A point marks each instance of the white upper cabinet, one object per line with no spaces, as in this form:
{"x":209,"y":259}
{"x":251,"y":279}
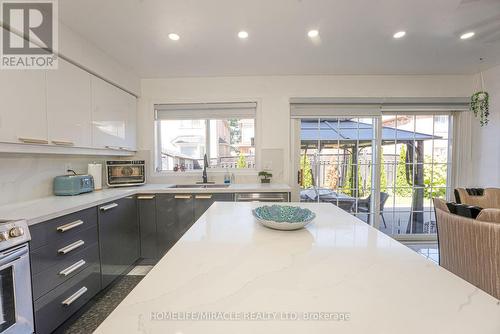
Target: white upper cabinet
{"x":69,"y":106}
{"x":113,"y":117}
{"x":23,"y":116}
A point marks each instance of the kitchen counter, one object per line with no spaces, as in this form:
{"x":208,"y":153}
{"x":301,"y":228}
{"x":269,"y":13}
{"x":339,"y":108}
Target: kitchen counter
{"x":264,"y":281}
{"x":43,"y":209}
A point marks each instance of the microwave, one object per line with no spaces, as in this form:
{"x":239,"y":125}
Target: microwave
{"x":122,"y":173}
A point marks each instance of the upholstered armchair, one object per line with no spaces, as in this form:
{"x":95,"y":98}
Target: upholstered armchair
{"x":490,"y":197}
{"x":470,"y":248}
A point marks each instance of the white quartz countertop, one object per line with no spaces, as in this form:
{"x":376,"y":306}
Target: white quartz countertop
{"x":42,"y":209}
{"x":251,"y":279}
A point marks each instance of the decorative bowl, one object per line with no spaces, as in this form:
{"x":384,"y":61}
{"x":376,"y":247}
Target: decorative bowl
{"x":283,"y":217}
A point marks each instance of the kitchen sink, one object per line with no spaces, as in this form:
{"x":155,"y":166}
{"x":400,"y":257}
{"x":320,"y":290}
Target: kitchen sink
{"x":200,"y":186}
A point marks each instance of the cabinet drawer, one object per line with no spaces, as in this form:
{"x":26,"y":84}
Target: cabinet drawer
{"x":55,"y":307}
{"x":64,"y":269}
{"x":51,"y":254}
{"x":62,"y":228}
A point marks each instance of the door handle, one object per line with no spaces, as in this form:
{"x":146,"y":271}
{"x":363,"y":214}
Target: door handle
{"x":33,"y":140}
{"x":72,"y":268}
{"x":71,"y":247}
{"x":108,"y":207}
{"x":182,"y":196}
{"x":63,"y":143}
{"x":71,"y":299}
{"x":142,"y":197}
{"x":69,"y":226}
{"x":203,"y":196}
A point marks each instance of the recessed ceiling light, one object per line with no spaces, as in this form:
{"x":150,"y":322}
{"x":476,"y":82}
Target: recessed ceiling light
{"x":243,"y":34}
{"x":174,"y":36}
{"x":467,"y":35}
{"x":313,"y":33}
{"x":399,"y":34}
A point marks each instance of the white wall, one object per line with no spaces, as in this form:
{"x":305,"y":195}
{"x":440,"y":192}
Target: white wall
{"x":485,"y":145}
{"x":273,"y":94}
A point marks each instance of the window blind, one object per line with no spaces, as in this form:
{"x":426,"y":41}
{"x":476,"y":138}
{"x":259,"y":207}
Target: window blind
{"x":205,"y":110}
{"x":371,"y":107}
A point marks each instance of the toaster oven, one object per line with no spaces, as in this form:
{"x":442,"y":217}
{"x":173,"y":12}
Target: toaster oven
{"x":122,"y":173}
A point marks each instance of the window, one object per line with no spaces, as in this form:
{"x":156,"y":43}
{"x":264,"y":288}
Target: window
{"x":224,"y":132}
{"x":336,"y":166}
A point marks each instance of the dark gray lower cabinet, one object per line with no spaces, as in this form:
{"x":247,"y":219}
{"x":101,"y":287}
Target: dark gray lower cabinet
{"x":174,"y":216}
{"x":147,"y":218}
{"x":118,"y":237}
{"x":176,"y":213}
{"x":65,"y":267}
{"x":203,"y":201}
{"x":55,"y":307}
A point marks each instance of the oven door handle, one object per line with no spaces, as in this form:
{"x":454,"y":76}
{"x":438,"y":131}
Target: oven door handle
{"x":13,"y":254}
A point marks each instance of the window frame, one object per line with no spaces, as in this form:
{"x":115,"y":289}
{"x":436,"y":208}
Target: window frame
{"x":157,"y":159}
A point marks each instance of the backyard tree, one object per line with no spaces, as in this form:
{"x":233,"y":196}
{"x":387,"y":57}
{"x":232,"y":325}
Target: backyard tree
{"x":434,"y":178}
{"x":403,"y":188}
{"x":305,"y":166}
{"x":415,"y":177}
{"x":242,"y":161}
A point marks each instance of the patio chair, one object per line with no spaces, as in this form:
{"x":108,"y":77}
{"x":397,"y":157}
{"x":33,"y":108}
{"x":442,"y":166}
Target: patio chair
{"x":364,"y":206}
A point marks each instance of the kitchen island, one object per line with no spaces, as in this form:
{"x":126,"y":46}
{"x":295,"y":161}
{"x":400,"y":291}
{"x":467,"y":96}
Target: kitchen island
{"x":228,"y":274}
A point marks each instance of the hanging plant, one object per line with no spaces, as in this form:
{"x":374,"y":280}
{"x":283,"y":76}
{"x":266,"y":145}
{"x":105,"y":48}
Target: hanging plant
{"x":480,"y":103}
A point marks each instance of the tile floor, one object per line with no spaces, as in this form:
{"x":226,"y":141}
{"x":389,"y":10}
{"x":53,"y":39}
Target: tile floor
{"x":428,"y":250}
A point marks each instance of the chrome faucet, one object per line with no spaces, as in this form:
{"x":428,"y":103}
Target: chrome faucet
{"x":205,"y":164}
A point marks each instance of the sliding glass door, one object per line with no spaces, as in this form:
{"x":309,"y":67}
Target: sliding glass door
{"x":336,"y":163}
{"x":416,"y":166}
{"x":384,"y":170}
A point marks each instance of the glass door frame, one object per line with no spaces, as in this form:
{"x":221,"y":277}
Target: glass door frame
{"x":375,"y":220}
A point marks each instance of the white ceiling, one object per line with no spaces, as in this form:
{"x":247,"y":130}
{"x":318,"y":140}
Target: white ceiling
{"x":355,"y":35}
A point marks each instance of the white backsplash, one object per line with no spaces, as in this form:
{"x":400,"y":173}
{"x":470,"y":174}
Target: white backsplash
{"x":24,"y":177}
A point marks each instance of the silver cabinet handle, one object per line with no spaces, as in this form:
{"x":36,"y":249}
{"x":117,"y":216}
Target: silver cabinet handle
{"x":71,"y":299}
{"x":182,"y":196}
{"x":70,"y":247}
{"x":142,"y":197}
{"x":63,"y":143}
{"x":33,"y":140}
{"x":108,"y":207}
{"x":69,"y":226}
{"x":203,"y":196}
{"x":72,"y":268}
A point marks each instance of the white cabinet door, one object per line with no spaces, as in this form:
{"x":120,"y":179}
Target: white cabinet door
{"x":113,"y":116}
{"x":23,"y":115}
{"x":69,"y":103}
{"x":131,"y":129}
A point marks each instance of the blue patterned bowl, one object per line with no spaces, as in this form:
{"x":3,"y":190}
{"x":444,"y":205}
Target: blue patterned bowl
{"x":283,"y":217}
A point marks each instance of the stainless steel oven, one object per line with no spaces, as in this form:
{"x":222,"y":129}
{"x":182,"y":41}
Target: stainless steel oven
{"x":16,"y":305}
{"x":121,"y":173}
